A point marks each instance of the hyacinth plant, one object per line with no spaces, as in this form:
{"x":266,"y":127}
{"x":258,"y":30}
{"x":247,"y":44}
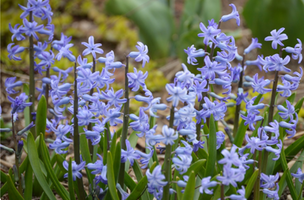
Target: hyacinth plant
{"x":198,"y":162}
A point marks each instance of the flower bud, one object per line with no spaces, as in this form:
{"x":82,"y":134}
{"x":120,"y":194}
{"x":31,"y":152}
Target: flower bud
{"x":19,"y":147}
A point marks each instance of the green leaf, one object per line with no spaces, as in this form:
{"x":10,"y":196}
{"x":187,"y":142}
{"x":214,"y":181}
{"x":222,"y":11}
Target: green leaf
{"x":28,"y":182}
{"x":104,"y":147}
{"x":117,"y":161}
{"x":41,"y":116}
{"x":12,"y":191}
{"x":70,"y":181}
{"x":298,"y":184}
{"x":85,"y":152}
{"x":239,"y":138}
{"x":141,"y":186}
{"x":50,"y":171}
{"x":190,"y":188}
{"x":282,"y":183}
{"x":129,"y":181}
{"x":3,"y":189}
{"x":60,"y":160}
{"x":262,"y":16}
{"x":299,"y":104}
{"x":153,"y":19}
{"x":139,"y":176}
{"x":137,"y":170}
{"x":34,"y":160}
{"x":251,"y":183}
{"x":293,"y":169}
{"x":210,"y":166}
{"x":111,"y":178}
{"x":3,"y":177}
{"x":202,"y":154}
{"x":290,"y":152}
{"x":292,"y":189}
{"x":196,"y":167}
{"x":113,"y":144}
{"x":139,"y":189}
{"x":179,"y":193}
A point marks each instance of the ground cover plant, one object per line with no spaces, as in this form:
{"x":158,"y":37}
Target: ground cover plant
{"x":198,"y":164}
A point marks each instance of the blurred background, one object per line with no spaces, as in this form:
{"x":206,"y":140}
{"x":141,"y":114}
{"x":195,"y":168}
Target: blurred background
{"x":166,"y":26}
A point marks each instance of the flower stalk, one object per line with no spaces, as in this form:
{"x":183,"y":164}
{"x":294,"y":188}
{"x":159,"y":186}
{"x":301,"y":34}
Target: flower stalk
{"x":17,"y":156}
{"x":77,"y":137}
{"x":125,"y":123}
{"x":222,"y":192}
{"x":32,"y":76}
{"x":91,"y":93}
{"x":238,"y":107}
{"x":168,"y":160}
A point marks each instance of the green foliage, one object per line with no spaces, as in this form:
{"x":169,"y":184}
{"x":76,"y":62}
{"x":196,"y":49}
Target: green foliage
{"x":141,"y":186}
{"x":70,"y":181}
{"x":50,"y":172}
{"x":36,"y":166}
{"x":41,"y":116}
{"x":156,"y":23}
{"x":190,"y":188}
{"x":12,"y":191}
{"x":85,"y":152}
{"x":194,"y":12}
{"x":111,"y":178}
{"x":251,"y":183}
{"x":262,"y":16}
{"x":211,"y":161}
{"x":238,"y":140}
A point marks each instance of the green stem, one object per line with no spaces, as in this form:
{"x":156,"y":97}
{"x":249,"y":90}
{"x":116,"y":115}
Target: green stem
{"x":91,"y":93}
{"x":32,"y":77}
{"x":82,"y":194}
{"x":238,"y":107}
{"x":167,"y":161}
{"x":125,"y":124}
{"x":17,"y":158}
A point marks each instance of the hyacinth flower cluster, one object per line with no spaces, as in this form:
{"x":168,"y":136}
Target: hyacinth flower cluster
{"x":197,"y":160}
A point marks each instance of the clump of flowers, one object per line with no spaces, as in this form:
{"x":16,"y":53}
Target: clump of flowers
{"x":195,"y":147}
